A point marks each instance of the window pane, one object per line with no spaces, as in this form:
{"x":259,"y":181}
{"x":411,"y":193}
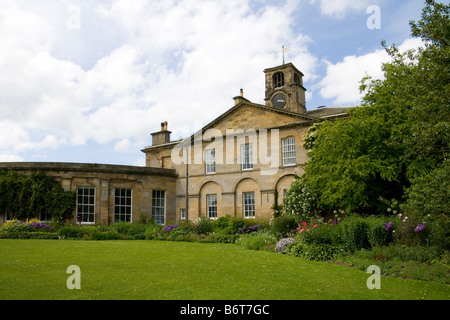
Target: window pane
{"x":249,"y":204}
{"x":158,"y":206}
{"x":288,"y":151}
{"x":210,"y":161}
{"x":211,"y":205}
{"x":86,"y":204}
{"x":247,"y":156}
{"x":122,"y":205}
{"x":183,"y":214}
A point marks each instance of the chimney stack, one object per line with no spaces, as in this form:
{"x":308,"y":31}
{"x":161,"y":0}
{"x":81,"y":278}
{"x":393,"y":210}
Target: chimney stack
{"x":240,"y":98}
{"x":161,"y":137}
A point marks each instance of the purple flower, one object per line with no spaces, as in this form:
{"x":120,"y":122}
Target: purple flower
{"x":40,"y":225}
{"x":388,"y":226}
{"x":170,"y":227}
{"x":420,"y":227}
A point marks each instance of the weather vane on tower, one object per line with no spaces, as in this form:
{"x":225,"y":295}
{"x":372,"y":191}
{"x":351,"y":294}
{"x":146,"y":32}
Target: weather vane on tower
{"x":283,"y":51}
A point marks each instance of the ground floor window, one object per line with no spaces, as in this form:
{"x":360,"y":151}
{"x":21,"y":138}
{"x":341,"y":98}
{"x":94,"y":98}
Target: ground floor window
{"x":249,"y":204}
{"x":122,"y":205}
{"x":159,"y":206}
{"x":86,"y":204}
{"x":9,"y":216}
{"x":44,"y":216}
{"x":183,"y":214}
{"x":211,"y":205}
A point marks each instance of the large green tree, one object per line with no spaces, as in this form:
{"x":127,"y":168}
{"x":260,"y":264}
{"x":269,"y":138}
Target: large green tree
{"x":400,"y":132}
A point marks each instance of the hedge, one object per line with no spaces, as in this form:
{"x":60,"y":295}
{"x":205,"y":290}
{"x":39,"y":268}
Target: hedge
{"x":28,"y":235}
{"x":316,"y":252}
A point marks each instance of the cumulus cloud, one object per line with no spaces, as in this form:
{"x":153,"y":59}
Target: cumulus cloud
{"x":342,"y":79}
{"x":127,"y":67}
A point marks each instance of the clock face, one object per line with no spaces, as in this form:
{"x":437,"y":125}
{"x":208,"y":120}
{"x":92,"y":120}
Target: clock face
{"x":279,"y":100}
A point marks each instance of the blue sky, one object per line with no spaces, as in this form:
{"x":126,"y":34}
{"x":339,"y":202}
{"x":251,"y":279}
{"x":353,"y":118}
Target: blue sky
{"x":89,"y":81}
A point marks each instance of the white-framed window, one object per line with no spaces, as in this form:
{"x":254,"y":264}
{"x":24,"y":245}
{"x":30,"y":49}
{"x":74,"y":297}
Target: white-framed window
{"x":8,"y":216}
{"x":248,"y":199}
{"x":211,"y":206}
{"x":86,"y":204}
{"x":210,"y":159}
{"x":44,"y":216}
{"x":288,"y":151}
{"x":159,"y":206}
{"x":247,"y":156}
{"x":183,"y":215}
{"x":122,"y":205}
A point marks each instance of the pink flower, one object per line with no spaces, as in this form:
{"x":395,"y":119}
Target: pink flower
{"x":304,"y":224}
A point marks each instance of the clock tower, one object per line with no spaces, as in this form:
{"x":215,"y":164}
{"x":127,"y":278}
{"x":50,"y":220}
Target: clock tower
{"x":284,"y":88}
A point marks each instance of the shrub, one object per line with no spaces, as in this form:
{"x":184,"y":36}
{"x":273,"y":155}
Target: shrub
{"x":301,"y":201}
{"x":107,"y":235}
{"x":137,"y":231}
{"x":421,"y":263}
{"x":378,"y":236}
{"x":323,"y":234}
{"x":354,"y":233}
{"x":221,"y":223}
{"x":257,"y":242}
{"x":294,"y":249}
{"x":253,"y":243}
{"x":121,"y":227}
{"x":75,"y":232}
{"x":220,"y":238}
{"x":248,"y":229}
{"x":17,"y":228}
{"x":236,"y":223}
{"x":420,"y":253}
{"x":321,"y":252}
{"x":29,"y":235}
{"x":315,"y":252}
{"x":154,"y":232}
{"x":203,"y":226}
{"x":40,"y":227}
{"x":283,"y":225}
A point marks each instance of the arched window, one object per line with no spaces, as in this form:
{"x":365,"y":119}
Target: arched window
{"x":278,"y":80}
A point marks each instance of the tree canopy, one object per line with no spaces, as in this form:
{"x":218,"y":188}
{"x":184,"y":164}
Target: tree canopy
{"x":399,"y":134}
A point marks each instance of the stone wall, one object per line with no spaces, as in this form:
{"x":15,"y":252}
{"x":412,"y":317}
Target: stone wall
{"x":105,"y":179}
{"x":230,"y":181}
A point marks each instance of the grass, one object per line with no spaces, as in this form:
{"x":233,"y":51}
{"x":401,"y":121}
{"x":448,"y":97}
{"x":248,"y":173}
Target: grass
{"x":159,"y":270}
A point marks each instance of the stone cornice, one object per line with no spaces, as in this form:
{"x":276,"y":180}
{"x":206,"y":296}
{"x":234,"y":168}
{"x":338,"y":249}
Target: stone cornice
{"x":86,"y":167}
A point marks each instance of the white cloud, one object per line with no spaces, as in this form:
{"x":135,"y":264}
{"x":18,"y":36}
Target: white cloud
{"x":339,"y":8}
{"x":180,"y":61}
{"x":342,"y":80}
{"x":10,"y":158}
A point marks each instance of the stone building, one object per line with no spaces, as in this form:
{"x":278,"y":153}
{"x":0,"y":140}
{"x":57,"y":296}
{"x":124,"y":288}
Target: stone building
{"x":240,"y":164}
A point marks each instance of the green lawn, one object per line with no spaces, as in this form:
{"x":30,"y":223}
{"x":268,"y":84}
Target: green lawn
{"x":147,"y":270}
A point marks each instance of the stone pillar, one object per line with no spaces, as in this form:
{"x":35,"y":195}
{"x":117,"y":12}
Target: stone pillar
{"x":105,"y":217}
